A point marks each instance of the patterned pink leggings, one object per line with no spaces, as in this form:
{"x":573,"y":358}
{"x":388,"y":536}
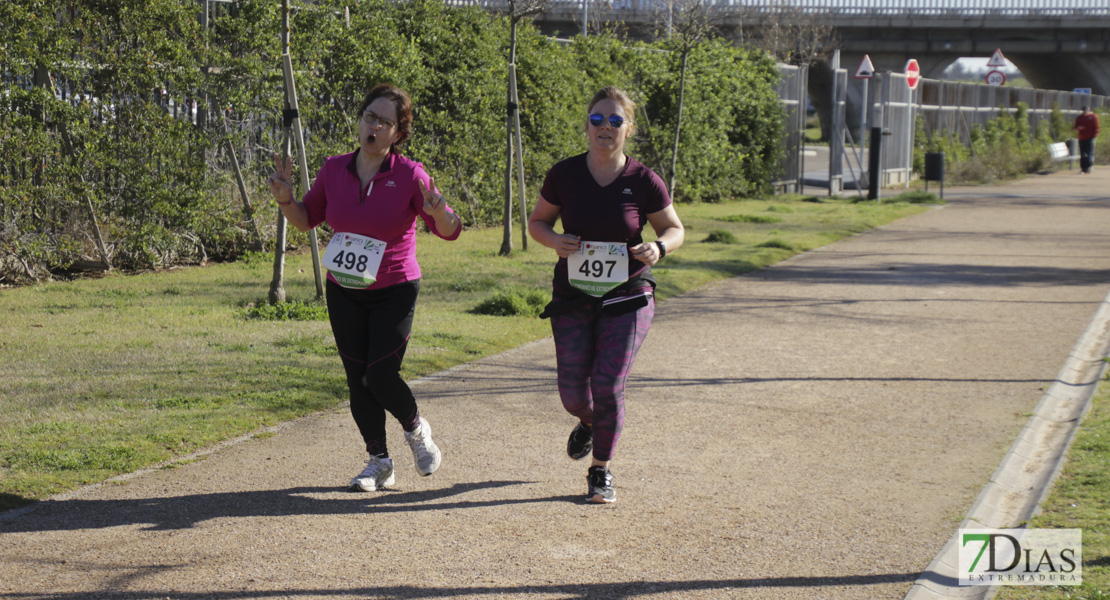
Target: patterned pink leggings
{"x":594,"y":354}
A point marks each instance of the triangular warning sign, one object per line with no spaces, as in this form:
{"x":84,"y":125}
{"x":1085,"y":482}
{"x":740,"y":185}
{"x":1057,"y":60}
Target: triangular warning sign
{"x":866,"y":70}
{"x":997,"y":60}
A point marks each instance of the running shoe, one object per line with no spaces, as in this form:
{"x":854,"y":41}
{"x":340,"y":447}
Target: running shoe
{"x":581,"y":441}
{"x":377,"y":475}
{"x":600,"y":486}
{"x":424,"y":450}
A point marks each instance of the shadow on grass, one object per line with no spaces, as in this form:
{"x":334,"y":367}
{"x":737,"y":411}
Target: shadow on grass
{"x":12,"y":501}
{"x":182,"y":512}
{"x":1102,"y":561}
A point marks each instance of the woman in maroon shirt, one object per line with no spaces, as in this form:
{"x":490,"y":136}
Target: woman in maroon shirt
{"x":602,"y":299}
{"x":371,"y":198}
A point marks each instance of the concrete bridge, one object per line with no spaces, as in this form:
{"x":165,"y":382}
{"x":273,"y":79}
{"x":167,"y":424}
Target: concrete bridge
{"x":1057,"y":44}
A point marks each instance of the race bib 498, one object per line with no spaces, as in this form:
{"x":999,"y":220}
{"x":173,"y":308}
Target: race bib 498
{"x":353,"y":260}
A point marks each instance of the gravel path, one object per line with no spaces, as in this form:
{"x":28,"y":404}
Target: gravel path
{"x":813,"y":430}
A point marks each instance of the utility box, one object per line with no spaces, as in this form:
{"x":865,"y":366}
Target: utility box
{"x":934,"y":166}
{"x":934,"y":170}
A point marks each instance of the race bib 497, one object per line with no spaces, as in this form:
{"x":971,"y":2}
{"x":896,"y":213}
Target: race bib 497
{"x":598,"y":267}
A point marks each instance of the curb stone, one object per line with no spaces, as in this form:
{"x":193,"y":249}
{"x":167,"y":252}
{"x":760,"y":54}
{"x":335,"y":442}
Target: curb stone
{"x":1024,"y":478}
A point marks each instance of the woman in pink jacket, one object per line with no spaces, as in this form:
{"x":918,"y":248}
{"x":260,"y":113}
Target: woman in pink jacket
{"x":371,"y":198}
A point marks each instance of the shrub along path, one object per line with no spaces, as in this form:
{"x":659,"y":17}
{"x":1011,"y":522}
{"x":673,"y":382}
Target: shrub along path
{"x":812,"y":430}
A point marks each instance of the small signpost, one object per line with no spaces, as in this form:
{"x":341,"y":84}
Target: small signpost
{"x":997,"y":60}
{"x":995,"y":76}
{"x":866,"y":70}
{"x":913,"y":73}
{"x":913,"y":77}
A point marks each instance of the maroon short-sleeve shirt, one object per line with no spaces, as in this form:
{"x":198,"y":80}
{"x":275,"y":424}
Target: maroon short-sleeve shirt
{"x":613,"y":213}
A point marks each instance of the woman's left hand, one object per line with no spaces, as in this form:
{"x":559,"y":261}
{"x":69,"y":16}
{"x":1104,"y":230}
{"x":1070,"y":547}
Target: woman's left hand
{"x":434,"y":204}
{"x":646,"y":253}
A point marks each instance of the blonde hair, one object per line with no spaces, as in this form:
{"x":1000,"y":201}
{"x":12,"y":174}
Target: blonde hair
{"x":620,"y":97}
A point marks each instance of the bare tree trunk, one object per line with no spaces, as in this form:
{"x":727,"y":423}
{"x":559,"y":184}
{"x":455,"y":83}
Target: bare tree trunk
{"x":519,"y":158}
{"x":306,"y":179}
{"x":277,"y":284}
{"x":678,"y":119}
{"x":507,"y":216}
{"x":96,"y":227}
{"x":242,"y":185}
{"x":507,"y":233}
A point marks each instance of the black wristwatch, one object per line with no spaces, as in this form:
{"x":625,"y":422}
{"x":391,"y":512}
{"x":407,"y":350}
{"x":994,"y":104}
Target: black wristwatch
{"x":662,"y":249}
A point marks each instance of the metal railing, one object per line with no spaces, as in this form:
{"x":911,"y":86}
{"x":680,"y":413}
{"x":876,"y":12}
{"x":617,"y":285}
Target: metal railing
{"x":955,"y":108}
{"x":793,"y":96}
{"x":1079,"y":9}
{"x":945,"y":108}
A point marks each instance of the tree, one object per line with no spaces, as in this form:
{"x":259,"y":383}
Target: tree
{"x":518,"y":9}
{"x":798,"y":37}
{"x":788,"y":33}
{"x":686,"y":25}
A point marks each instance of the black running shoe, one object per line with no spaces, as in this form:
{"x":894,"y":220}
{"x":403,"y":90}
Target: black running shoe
{"x":600,"y":486}
{"x":581,"y":441}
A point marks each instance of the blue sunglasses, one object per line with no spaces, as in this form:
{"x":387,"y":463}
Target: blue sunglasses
{"x":598,"y":119}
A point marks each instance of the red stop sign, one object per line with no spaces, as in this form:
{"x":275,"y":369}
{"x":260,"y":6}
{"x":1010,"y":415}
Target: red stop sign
{"x":913,"y":73}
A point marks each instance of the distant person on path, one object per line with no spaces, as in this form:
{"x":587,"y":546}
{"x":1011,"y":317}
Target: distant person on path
{"x":602,"y":299}
{"x":371,"y":198}
{"x":1086,"y":128}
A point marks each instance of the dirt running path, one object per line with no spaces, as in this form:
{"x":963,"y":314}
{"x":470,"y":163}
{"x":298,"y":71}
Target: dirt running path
{"x":814,"y":430}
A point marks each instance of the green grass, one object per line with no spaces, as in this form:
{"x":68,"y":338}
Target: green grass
{"x":917,"y":197}
{"x":512,"y":302}
{"x":749,"y":219}
{"x":105,"y":376}
{"x":720,"y":236}
{"x":1080,"y":499}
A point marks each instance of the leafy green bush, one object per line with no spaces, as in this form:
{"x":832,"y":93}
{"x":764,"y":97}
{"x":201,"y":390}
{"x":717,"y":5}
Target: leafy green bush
{"x":720,"y":236}
{"x":774,"y":243}
{"x":292,"y":310}
{"x":1004,"y":148}
{"x":749,"y":219}
{"x":157,"y":172}
{"x":731,"y":136}
{"x":513,"y":302}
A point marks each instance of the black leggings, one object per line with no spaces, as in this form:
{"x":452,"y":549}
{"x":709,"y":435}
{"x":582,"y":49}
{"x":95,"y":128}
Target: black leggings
{"x":1086,"y":154}
{"x":371,"y":329}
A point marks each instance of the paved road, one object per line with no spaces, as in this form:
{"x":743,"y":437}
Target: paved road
{"x":816,"y":175}
{"x":813,"y":430}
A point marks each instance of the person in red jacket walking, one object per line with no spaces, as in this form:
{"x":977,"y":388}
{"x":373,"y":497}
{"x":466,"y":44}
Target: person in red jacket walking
{"x":1086,"y":128}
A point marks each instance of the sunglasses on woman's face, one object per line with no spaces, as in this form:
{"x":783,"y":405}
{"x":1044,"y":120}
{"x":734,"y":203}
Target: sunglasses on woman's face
{"x":598,"y":119}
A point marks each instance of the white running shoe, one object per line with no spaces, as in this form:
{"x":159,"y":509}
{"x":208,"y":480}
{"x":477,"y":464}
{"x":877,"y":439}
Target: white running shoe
{"x":377,"y":475}
{"x":424,"y":450}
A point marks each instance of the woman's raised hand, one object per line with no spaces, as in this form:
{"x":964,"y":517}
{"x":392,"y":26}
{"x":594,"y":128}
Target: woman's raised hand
{"x":281,"y":180}
{"x":434,"y":204}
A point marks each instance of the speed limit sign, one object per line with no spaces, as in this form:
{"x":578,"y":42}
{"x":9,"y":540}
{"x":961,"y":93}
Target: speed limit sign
{"x":996,"y":78}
